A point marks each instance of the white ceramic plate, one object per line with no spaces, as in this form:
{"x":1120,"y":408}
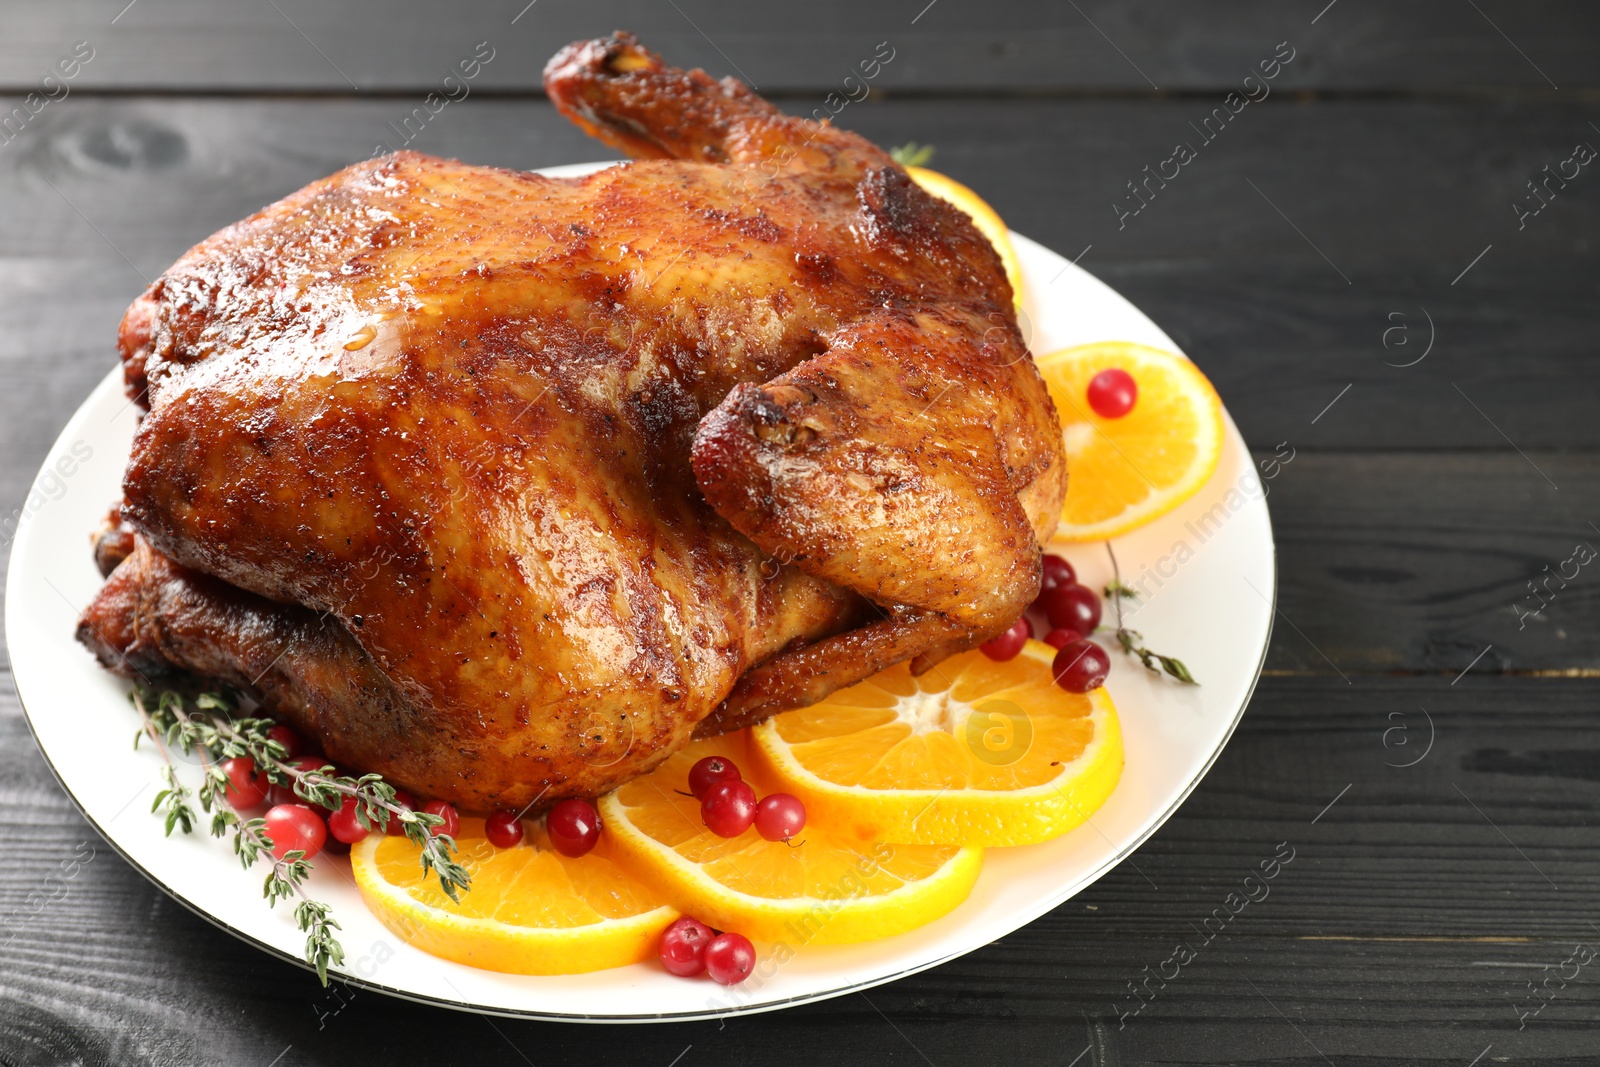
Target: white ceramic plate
{"x":1211,"y":585}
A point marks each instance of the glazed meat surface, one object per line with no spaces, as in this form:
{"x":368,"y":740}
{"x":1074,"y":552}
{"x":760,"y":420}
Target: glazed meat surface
{"x":504,"y":485}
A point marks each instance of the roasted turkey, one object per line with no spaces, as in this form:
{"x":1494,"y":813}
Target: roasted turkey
{"x":505,"y":486}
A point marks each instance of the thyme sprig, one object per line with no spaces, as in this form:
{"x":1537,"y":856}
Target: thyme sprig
{"x":285,"y":877}
{"x":212,"y":730}
{"x":209,"y":730}
{"x":912,"y":154}
{"x":1132,"y":641}
{"x":175,"y":797}
{"x":1115,"y":588}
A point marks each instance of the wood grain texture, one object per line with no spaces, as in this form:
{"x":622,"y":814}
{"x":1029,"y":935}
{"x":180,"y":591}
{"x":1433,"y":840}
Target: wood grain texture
{"x":1009,"y":45}
{"x":1403,"y":930}
{"x":1417,"y":508}
{"x":1418,"y":561}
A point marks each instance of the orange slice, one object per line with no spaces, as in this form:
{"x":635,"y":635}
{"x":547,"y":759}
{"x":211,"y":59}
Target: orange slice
{"x":530,"y":910}
{"x":973,"y":751}
{"x":825,"y":888}
{"x":983,"y":217}
{"x":1123,"y":472}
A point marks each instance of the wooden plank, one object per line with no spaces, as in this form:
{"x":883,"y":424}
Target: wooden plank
{"x":303,"y":46}
{"x":1419,"y":904}
{"x":1420,"y":561}
{"x":1404,"y":929}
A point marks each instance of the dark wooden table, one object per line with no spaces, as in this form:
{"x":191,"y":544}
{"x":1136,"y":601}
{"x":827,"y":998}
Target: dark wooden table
{"x":1360,"y":216}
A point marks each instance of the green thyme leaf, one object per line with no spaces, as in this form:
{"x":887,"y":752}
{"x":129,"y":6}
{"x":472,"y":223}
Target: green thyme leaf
{"x":912,"y":154}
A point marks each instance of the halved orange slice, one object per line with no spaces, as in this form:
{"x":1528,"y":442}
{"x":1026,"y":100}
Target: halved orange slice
{"x":983,"y":217}
{"x":973,"y":752}
{"x":1123,"y":472}
{"x":530,"y":910}
{"x":823,"y":888}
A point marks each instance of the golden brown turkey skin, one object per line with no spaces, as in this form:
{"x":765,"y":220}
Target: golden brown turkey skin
{"x":570,"y":465}
{"x":154,"y":613}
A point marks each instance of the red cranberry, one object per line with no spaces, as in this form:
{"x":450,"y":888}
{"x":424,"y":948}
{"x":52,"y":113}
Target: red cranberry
{"x":1073,"y":607}
{"x":1112,"y":393}
{"x":295,"y":826}
{"x":708,"y":772}
{"x":573,"y":826}
{"x":683,"y":947}
{"x":245,"y":788}
{"x":1009,"y":643}
{"x":729,"y":808}
{"x":1081,"y":666}
{"x":780,"y":816}
{"x":446,"y":811}
{"x":343,"y":824}
{"x":1057,"y":571}
{"x":503,"y":829}
{"x":293,"y":744}
{"x":1059,"y":638}
{"x":730,"y":958}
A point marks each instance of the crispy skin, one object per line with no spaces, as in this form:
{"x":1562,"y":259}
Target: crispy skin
{"x":154,"y":613}
{"x":525,"y":478}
